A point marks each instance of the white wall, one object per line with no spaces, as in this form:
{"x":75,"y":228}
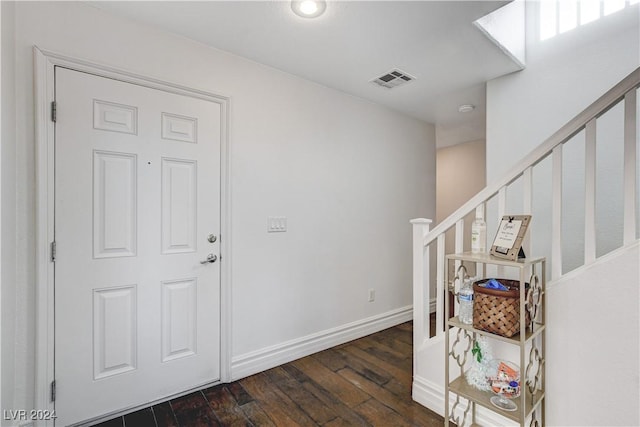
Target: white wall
{"x":460,"y":175}
{"x":8,"y":211}
{"x":593,"y":374}
{"x":348,"y":175}
{"x":564,"y":75}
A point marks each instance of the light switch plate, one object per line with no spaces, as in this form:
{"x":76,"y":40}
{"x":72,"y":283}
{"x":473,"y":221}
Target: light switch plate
{"x":276,"y":224}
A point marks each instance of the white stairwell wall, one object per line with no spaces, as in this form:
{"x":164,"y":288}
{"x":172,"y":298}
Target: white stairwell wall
{"x":593,"y":323}
{"x":564,"y":75}
{"x":592,"y":335}
{"x":593,"y":344}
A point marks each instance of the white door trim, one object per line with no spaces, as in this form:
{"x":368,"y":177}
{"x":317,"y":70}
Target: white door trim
{"x":44,"y":92}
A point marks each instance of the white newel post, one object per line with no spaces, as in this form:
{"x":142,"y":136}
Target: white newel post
{"x":420,"y":283}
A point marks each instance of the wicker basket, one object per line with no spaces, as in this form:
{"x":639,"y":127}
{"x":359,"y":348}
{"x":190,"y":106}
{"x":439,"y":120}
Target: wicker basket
{"x":498,"y":311}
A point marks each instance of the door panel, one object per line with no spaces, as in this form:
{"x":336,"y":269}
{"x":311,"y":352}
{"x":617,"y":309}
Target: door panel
{"x":114,"y":204}
{"x":179,"y":178}
{"x":114,"y":331}
{"x":137,"y":315}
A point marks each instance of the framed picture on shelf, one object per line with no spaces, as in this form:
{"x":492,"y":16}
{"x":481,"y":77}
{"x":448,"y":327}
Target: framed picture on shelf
{"x":508,"y":241}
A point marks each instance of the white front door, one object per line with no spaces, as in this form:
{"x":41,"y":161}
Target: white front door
{"x":137,"y":211}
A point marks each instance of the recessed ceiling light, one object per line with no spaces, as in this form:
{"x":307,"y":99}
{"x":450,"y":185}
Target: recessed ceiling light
{"x":466,"y":108}
{"x":308,"y":8}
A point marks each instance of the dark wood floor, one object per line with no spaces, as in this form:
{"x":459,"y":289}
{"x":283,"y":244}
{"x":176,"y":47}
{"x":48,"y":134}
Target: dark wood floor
{"x":366,"y":382}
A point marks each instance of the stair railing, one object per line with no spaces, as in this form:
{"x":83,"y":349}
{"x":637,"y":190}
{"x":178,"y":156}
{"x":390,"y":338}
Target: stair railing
{"x":423,"y":237}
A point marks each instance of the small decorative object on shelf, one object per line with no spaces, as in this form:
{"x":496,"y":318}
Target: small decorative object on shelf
{"x":509,"y":237}
{"x":482,"y":365}
{"x":506,"y":384}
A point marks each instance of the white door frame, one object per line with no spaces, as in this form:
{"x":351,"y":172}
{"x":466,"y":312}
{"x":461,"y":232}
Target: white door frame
{"x":44,"y":92}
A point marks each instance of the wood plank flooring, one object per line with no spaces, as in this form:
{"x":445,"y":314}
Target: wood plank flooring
{"x":366,"y":382}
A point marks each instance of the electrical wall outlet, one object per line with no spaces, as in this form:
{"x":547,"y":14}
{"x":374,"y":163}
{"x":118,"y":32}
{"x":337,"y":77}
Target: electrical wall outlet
{"x":276,"y":224}
{"x":372,"y":295}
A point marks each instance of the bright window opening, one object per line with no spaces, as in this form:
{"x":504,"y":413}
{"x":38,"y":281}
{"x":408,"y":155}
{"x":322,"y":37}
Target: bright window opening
{"x":589,"y":11}
{"x":548,"y":21}
{"x":568,"y":15}
{"x":611,"y":6}
{"x":560,"y":16}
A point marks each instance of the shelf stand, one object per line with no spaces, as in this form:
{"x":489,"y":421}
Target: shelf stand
{"x":531,"y":402}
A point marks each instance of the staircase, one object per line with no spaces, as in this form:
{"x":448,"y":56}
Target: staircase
{"x":592,"y":354}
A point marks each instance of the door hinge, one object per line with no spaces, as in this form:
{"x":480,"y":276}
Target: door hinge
{"x":54,"y":111}
{"x":53,"y":251}
{"x":53,"y":390}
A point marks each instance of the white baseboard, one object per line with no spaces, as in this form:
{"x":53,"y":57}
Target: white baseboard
{"x":428,"y":394}
{"x":270,"y":357}
{"x":431,"y":395}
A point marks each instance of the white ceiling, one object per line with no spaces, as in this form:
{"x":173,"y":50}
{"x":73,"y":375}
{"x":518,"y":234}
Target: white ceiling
{"x":353,"y":42}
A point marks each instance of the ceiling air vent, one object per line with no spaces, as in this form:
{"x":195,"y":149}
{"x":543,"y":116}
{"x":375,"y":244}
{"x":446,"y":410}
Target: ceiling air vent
{"x":393,"y":78}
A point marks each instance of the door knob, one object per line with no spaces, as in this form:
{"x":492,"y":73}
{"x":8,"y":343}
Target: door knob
{"x":212,"y":238}
{"x":211,"y":258}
